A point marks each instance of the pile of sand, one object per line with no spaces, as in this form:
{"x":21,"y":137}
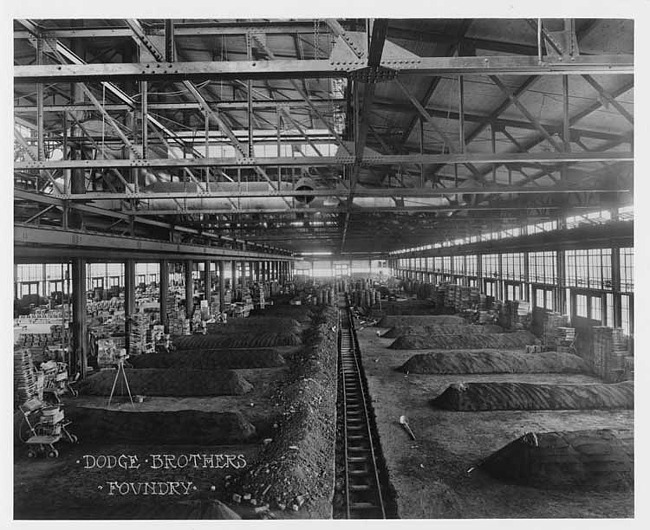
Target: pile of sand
{"x":390,"y":321}
{"x":241,"y":339}
{"x":167,"y":382}
{"x":256,"y":324}
{"x":600,"y":459}
{"x":504,"y":341}
{"x":210,"y":359}
{"x":188,"y":427}
{"x":444,"y":329}
{"x":494,"y":362}
{"x":529,"y":396}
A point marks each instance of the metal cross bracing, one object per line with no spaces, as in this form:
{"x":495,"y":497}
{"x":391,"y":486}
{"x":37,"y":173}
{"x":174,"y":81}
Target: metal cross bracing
{"x":269,"y":93}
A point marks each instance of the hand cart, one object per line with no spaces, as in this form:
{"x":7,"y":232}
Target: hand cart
{"x":43,"y":427}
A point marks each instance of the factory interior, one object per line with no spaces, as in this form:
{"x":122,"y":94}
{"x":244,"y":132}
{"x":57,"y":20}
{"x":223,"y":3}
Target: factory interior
{"x":335,"y":268}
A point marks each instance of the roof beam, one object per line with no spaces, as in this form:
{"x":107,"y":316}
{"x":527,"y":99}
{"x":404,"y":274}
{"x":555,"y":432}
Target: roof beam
{"x":379,"y":160}
{"x":66,"y":240}
{"x":449,"y":50}
{"x":297,"y":69}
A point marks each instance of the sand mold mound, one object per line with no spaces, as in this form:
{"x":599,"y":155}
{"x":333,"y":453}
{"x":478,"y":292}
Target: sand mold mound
{"x":600,"y":459}
{"x":505,"y":341}
{"x":167,"y":382}
{"x":445,"y":329}
{"x":494,"y":362}
{"x":530,"y":396}
{"x":389,"y":321}
{"x":256,"y":324}
{"x":179,"y":427}
{"x":210,"y":359}
{"x":240,"y":339}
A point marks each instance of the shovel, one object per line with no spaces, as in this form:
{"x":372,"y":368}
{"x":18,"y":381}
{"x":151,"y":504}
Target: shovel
{"x":404,"y":422}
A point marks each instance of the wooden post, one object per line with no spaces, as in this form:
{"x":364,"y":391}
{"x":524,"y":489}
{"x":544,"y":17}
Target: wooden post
{"x":164,"y":292}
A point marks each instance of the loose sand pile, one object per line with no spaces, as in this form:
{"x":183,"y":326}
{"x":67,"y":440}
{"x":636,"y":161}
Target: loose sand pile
{"x":241,"y":339}
{"x":494,"y":362}
{"x":505,"y":341}
{"x":528,"y":396}
{"x":210,"y":359}
{"x":447,"y":329}
{"x":191,"y":427}
{"x":601,"y":459}
{"x":256,"y":324}
{"x":390,"y":321}
{"x":168,"y":382}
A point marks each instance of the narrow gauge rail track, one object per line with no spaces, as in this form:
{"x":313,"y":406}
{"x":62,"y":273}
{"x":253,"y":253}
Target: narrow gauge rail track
{"x":365,"y":491}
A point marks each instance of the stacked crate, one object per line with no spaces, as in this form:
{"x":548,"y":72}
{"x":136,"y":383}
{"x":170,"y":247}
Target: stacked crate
{"x":609,"y":352}
{"x":552,"y":337}
{"x":24,"y":376}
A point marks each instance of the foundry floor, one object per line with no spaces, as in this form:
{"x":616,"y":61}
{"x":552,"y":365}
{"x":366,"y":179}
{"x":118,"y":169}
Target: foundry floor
{"x":430,"y":476}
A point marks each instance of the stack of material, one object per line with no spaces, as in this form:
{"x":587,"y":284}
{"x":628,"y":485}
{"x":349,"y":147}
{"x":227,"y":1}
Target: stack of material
{"x":528,"y":396}
{"x":609,"y":352}
{"x":440,"y":295}
{"x":24,"y":376}
{"x":138,"y":333}
{"x":450,"y":296}
{"x":602,"y":459}
{"x":553,"y":322}
{"x":564,"y":338}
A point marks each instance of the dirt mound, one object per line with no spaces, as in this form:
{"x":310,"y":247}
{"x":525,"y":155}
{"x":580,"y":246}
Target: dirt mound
{"x":389,"y":321}
{"x":238,"y":325}
{"x":297,"y":466}
{"x":528,"y":396}
{"x":494,"y":362}
{"x":168,"y":382}
{"x":240,"y":339}
{"x":210,"y":359}
{"x":300,"y":313}
{"x":505,"y":341}
{"x":190,"y":427}
{"x":398,"y":331}
{"x":600,"y":459}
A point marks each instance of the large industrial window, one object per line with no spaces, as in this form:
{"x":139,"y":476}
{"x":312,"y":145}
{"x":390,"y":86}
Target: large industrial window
{"x":471,"y":265}
{"x":627,"y":270}
{"x":542,"y":267}
{"x":459,"y":265}
{"x":446,"y":264}
{"x":581,"y":306}
{"x":513,"y":266}
{"x":625,"y":313}
{"x":429,"y":264}
{"x":596,"y":308}
{"x":589,"y":268}
{"x":490,"y":264}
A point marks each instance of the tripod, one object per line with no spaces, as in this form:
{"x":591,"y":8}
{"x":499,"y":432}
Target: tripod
{"x":120,"y":370}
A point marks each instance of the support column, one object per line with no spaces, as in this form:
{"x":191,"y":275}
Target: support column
{"x":616,"y":286}
{"x":233,"y":281}
{"x":207,"y":281}
{"x":79,"y":356}
{"x":129,"y":301}
{"x":222,"y":285}
{"x":251,"y":271}
{"x":164,"y":292}
{"x":189,"y":289}
{"x":258,"y":277}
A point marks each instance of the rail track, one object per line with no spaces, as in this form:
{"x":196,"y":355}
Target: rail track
{"x":365,"y":494}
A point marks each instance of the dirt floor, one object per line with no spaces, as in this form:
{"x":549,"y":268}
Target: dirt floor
{"x":430,"y":474}
{"x":91,"y":481}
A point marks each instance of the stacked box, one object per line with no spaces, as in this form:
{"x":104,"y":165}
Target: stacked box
{"x":25,"y":384}
{"x":609,"y":352}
